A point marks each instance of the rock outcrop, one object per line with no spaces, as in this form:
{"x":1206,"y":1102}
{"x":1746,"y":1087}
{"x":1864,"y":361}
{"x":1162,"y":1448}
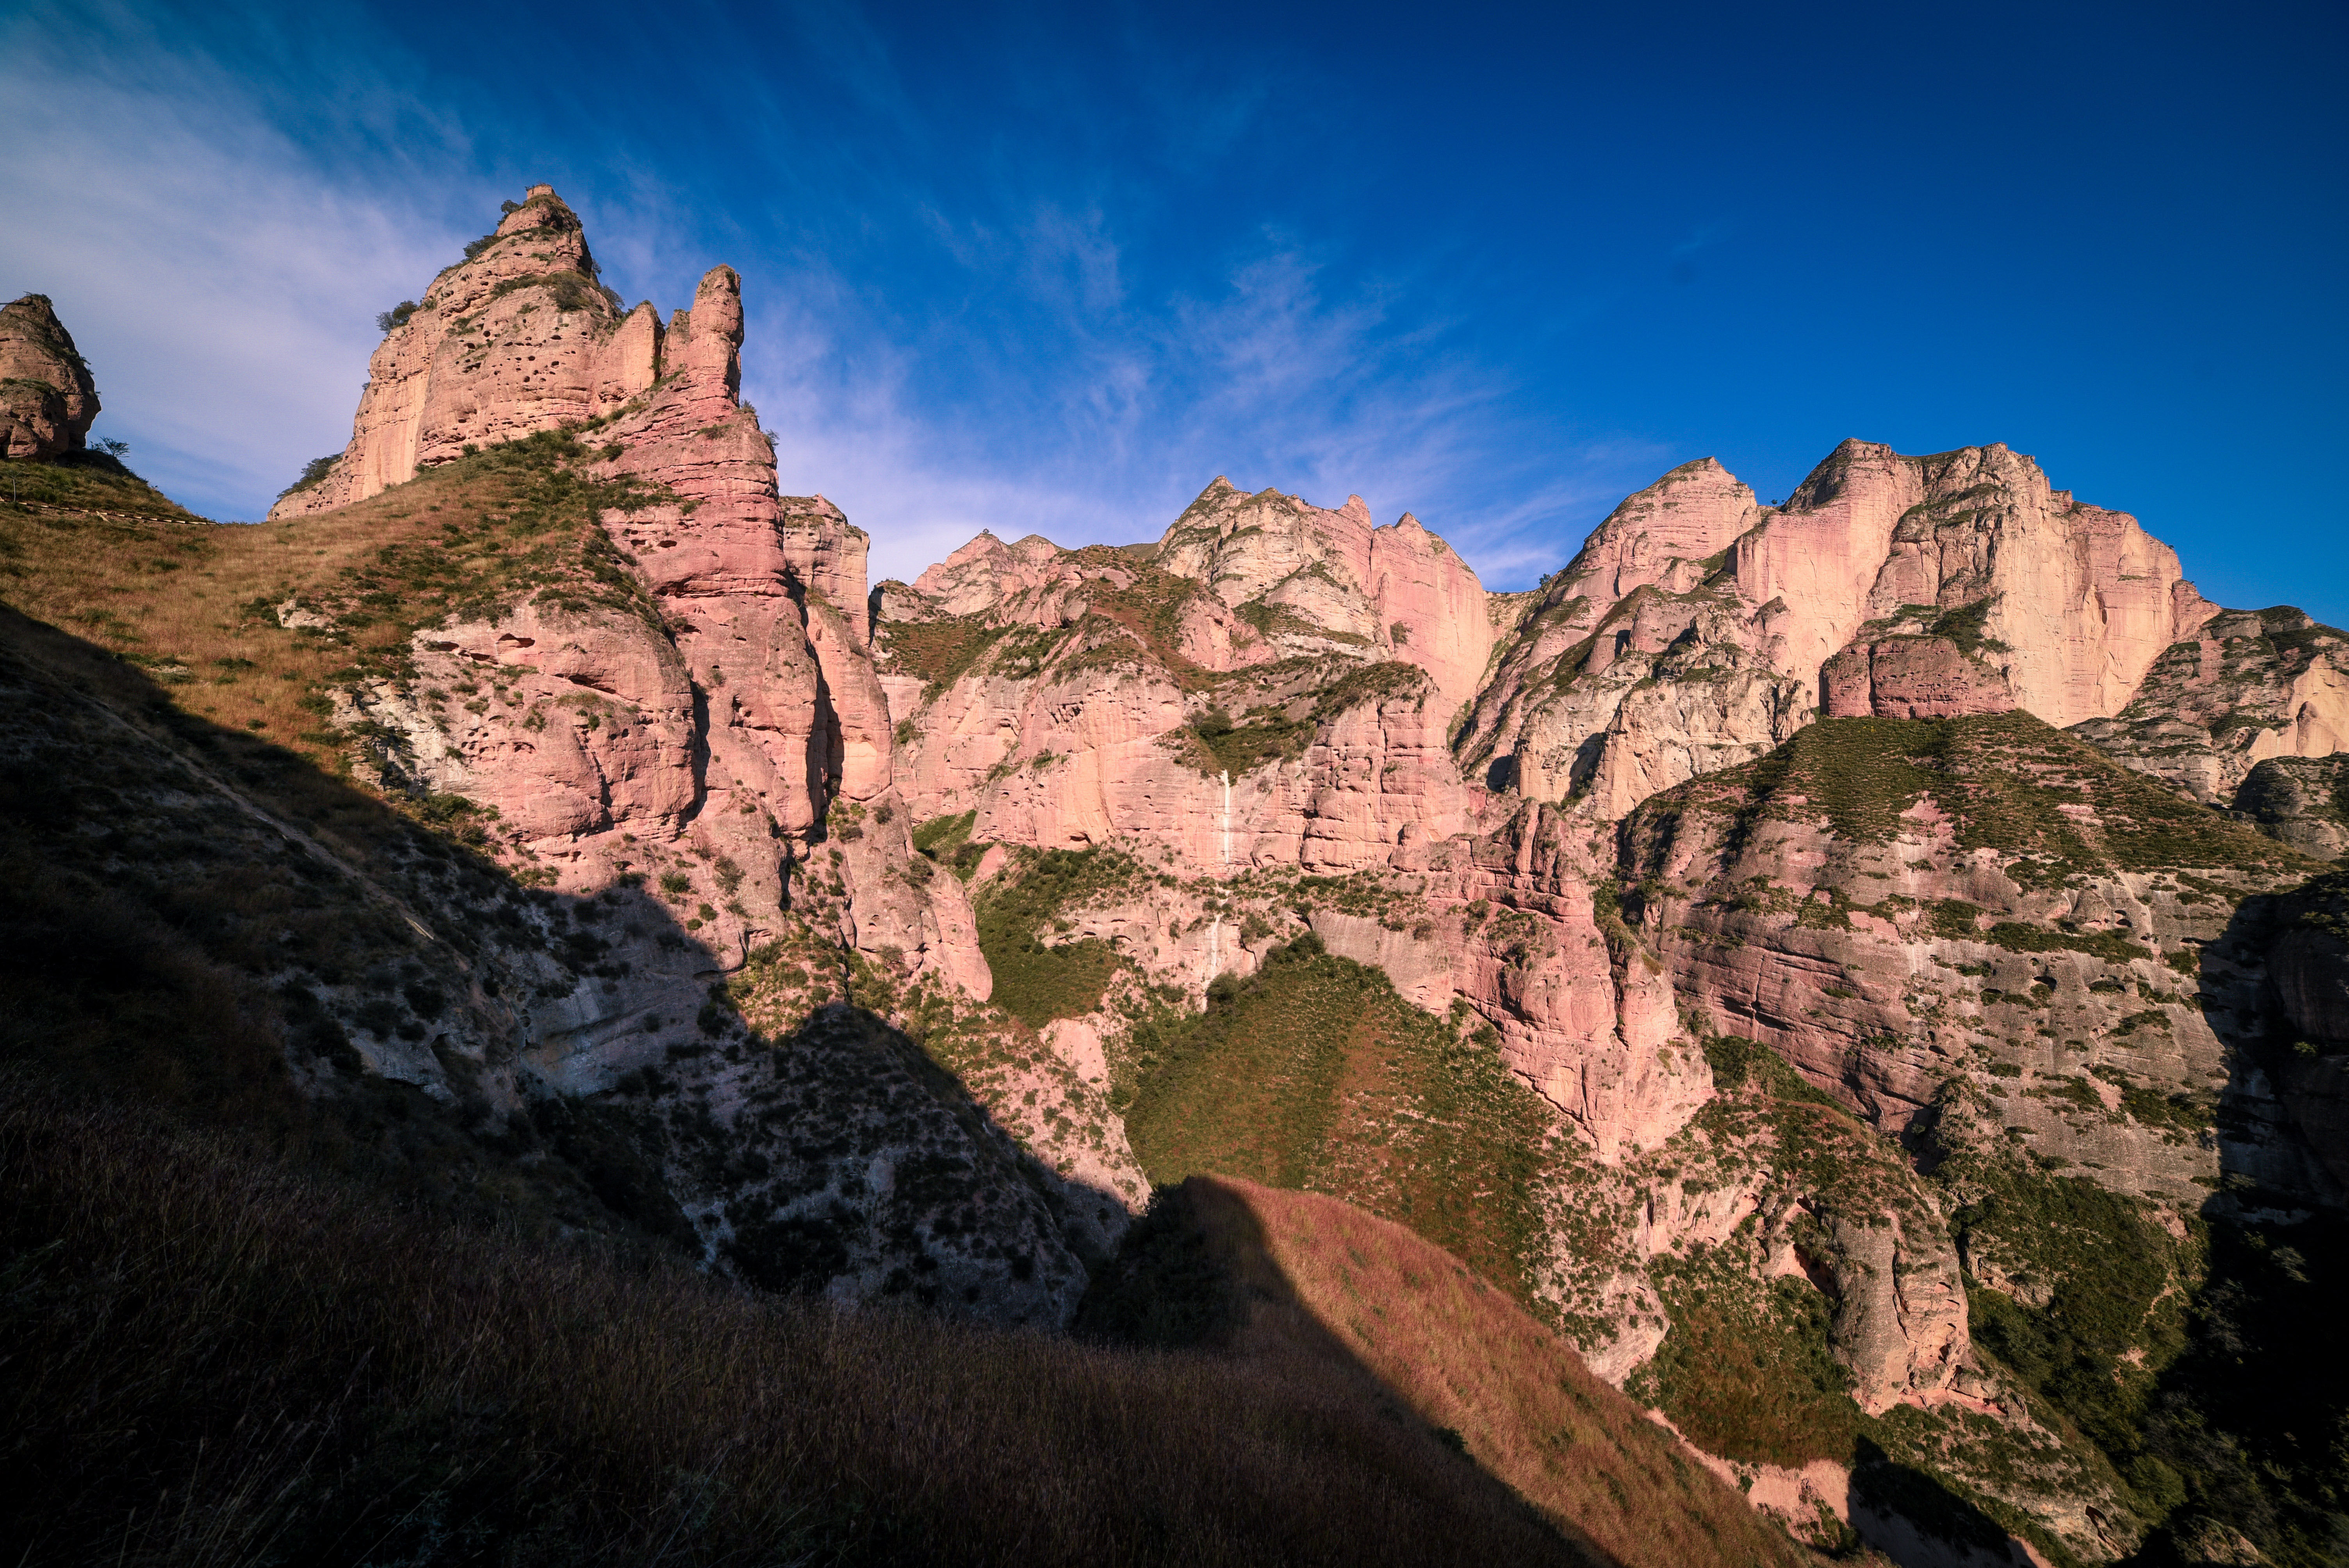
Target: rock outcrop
{"x":47,"y":398}
{"x":1897,"y":908}
{"x":1696,"y":630}
{"x":2303,"y":800}
{"x":518,"y":337}
{"x":694,"y":706}
{"x":1911,"y":677}
{"x":2245,"y":687}
{"x":1082,"y":698}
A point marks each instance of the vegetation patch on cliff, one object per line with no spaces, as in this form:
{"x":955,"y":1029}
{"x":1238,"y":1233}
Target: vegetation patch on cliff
{"x":1021,"y":911}
{"x":1999,"y":781}
{"x":198,"y":606}
{"x":1314,"y":1074}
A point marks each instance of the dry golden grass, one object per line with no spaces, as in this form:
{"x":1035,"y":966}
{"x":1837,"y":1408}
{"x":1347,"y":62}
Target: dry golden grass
{"x":1323,"y":1278}
{"x":206,"y":1359}
{"x":193,"y":602}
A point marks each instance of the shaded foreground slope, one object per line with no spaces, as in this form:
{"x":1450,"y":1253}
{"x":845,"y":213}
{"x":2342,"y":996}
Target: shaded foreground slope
{"x":1284,"y":1278}
{"x":214,"y":1360}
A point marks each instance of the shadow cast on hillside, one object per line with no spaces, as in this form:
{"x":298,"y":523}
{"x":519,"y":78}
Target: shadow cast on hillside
{"x":193,"y":907}
{"x":2282,"y":1123}
{"x":1197,"y":1273}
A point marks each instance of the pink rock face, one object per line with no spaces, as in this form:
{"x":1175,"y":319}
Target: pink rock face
{"x":1087,"y":755}
{"x":1693,"y":513}
{"x":2077,"y":601}
{"x":726,"y":722}
{"x":1910,"y":677}
{"x":1876,"y":563}
{"x":2247,"y":686}
{"x":1432,"y":608}
{"x":1075,"y":729}
{"x":1032,"y":581}
{"x":1584,"y":1021}
{"x":47,"y":398}
{"x":519,"y":337}
{"x":1868,"y":962}
{"x":1314,"y":581}
{"x":1811,"y":566}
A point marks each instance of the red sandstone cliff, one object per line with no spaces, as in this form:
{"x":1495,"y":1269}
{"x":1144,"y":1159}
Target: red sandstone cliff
{"x":519,"y":336}
{"x":48,"y":399}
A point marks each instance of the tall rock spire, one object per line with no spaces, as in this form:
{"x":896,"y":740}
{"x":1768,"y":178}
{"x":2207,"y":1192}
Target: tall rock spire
{"x":46,"y":397}
{"x":519,"y":336}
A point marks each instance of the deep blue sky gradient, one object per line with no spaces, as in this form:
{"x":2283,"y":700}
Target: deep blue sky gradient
{"x":1054,"y":267}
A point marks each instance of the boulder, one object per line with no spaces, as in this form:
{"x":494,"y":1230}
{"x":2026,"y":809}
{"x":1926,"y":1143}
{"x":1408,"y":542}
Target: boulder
{"x":1910,"y":677}
{"x":47,"y":398}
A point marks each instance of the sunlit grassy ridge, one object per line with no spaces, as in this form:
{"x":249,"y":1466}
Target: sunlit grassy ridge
{"x":1316,"y":1075}
{"x":1998,"y":779}
{"x":1283,"y":1275}
{"x":195,"y":604}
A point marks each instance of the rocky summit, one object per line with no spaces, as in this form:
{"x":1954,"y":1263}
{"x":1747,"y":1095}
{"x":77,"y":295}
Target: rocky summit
{"x":1861,"y":977}
{"x":48,"y":399}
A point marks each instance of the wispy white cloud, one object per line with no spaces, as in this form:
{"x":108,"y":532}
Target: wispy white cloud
{"x":1272,"y":381}
{"x":221,"y":282}
{"x":219,"y":246}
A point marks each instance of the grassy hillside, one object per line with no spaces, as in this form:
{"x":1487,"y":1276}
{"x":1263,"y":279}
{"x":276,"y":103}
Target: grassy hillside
{"x":213,"y":1361}
{"x":1314,"y":1074}
{"x":2000,"y":780}
{"x":1283,"y":1277}
{"x":194,"y":603}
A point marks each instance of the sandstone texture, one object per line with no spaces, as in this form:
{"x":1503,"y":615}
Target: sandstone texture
{"x":1082,"y":698}
{"x":519,"y":336}
{"x":1696,"y":629}
{"x":47,"y":398}
{"x":2247,"y":686}
{"x":701,"y":715}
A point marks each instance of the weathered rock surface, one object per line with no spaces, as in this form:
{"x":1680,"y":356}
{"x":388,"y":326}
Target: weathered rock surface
{"x":518,"y":337}
{"x":47,"y":398}
{"x":1897,"y":908}
{"x":2301,"y":800}
{"x":1911,"y":677}
{"x":1954,"y":583}
{"x":1082,"y":698}
{"x":2247,"y":686}
{"x":713,"y":724}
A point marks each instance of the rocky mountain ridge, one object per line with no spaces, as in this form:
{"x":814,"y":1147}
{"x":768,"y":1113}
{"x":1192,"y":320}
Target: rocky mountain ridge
{"x":1813,"y":884}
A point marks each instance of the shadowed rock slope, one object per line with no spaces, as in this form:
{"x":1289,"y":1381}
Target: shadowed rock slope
{"x":293,"y":1370}
{"x":1777,"y":954}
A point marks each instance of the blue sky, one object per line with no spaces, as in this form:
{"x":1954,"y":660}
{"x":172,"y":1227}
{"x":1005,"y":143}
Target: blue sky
{"x":1053,"y":268}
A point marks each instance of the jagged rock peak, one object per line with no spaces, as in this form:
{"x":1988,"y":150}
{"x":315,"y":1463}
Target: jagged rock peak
{"x":519,"y":336}
{"x":47,"y":398}
{"x":1696,"y":628}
